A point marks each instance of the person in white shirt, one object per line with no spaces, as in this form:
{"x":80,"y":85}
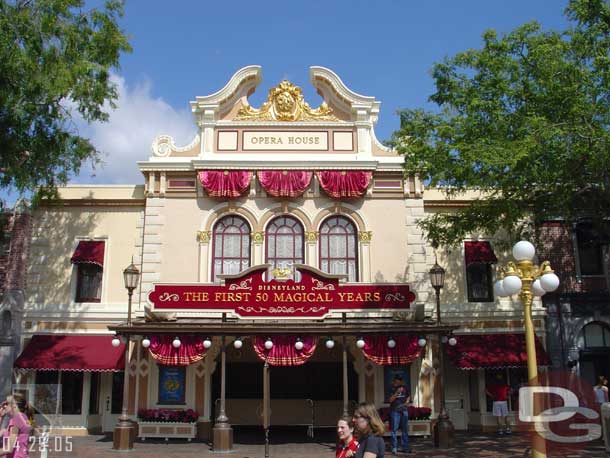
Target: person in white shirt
{"x":601,"y":390}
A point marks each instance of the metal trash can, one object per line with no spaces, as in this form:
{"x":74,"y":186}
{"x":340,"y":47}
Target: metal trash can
{"x":606,"y":424}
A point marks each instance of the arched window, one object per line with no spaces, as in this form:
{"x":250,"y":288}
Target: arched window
{"x":284,"y":247}
{"x":338,"y":254}
{"x":231,"y":251}
{"x":595,"y":335}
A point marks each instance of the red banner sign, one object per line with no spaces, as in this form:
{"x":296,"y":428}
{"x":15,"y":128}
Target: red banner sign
{"x":249,"y":295}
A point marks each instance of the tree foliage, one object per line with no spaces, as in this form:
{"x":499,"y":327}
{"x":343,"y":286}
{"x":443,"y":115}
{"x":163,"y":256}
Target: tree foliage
{"x":55,"y":61}
{"x":525,"y":120}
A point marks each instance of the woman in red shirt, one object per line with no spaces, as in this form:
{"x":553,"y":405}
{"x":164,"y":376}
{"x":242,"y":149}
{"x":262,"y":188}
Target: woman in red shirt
{"x":347,"y":443}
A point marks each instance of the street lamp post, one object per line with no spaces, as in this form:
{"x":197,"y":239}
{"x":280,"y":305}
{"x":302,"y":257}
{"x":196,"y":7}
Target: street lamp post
{"x":528,"y":280}
{"x":444,"y":436}
{"x":124,"y":431}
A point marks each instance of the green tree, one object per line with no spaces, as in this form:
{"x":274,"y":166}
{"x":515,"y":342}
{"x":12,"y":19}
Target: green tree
{"x":525,"y":120}
{"x":55,"y":61}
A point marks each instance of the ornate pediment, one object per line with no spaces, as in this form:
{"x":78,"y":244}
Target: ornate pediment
{"x":286,"y":103}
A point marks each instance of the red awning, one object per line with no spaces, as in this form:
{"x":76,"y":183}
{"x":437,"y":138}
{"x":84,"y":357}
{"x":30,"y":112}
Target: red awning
{"x":480,"y":252}
{"x":89,"y":252}
{"x":493,"y":351}
{"x":72,"y":353}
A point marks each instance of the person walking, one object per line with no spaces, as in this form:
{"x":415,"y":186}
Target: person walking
{"x":499,"y":392}
{"x":348,"y":445}
{"x":601,"y":390}
{"x":399,"y":414}
{"x":15,"y":443}
{"x":370,"y":430}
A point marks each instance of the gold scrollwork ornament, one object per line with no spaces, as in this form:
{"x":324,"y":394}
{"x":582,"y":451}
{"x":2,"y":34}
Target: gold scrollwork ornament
{"x":311,"y":236}
{"x":286,"y":103}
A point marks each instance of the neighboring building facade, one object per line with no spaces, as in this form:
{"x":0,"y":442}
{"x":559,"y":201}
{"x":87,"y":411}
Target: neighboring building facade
{"x":282,"y":185}
{"x":578,"y":321}
{"x":15,"y":236}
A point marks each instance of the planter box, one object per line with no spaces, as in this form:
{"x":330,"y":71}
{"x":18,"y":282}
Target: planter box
{"x":167,"y":430}
{"x":416,"y":428}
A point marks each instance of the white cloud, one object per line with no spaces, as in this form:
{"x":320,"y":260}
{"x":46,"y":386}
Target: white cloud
{"x":129,"y":132}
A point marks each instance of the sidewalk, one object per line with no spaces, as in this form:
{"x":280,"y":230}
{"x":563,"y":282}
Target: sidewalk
{"x":250,"y":445}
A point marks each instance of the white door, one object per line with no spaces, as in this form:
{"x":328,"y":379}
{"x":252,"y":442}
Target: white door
{"x":456,"y":384}
{"x":111,"y":398}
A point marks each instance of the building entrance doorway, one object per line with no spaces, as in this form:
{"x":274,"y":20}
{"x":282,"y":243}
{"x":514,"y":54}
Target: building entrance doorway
{"x":308,"y":395}
{"x":594,"y":344}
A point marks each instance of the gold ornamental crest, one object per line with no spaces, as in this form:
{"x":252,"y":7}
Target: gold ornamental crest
{"x":286,"y":103}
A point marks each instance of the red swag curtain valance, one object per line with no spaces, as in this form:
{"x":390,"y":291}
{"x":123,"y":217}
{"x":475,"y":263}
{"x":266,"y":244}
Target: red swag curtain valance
{"x":406,"y":350}
{"x":228,"y":184}
{"x":190,"y":350}
{"x":283,"y":352}
{"x":284,"y":183}
{"x":339,"y":184}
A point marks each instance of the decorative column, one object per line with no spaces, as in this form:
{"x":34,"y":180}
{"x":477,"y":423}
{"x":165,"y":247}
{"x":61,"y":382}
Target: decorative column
{"x":222,"y":432}
{"x":311,"y":252}
{"x":365,"y":254}
{"x":257,"y":247}
{"x":204,"y":237}
{"x":345,"y":379}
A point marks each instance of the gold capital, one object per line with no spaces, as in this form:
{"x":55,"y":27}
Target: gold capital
{"x":204,"y":236}
{"x":311,"y":236}
{"x":365,"y":237}
{"x":258,"y":237}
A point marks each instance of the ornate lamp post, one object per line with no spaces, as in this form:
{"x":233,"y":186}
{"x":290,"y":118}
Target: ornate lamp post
{"x":528,"y":280}
{"x":443,"y":430}
{"x":124,"y":431}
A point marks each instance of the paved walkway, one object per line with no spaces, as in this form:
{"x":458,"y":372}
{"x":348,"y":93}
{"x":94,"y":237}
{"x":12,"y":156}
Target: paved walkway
{"x":289,"y":445}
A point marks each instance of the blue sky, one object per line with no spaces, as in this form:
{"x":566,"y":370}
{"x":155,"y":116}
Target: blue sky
{"x":380,"y":48}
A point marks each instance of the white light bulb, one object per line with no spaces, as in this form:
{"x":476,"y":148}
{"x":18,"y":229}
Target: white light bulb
{"x":116,"y":342}
{"x":549,"y":282}
{"x":207,"y":343}
{"x":360,"y":343}
{"x":145,"y":342}
{"x":237,"y":343}
{"x":298,"y":345}
{"x":452,"y":341}
{"x":391,"y":343}
{"x":421,"y":342}
{"x":511,"y":284}
{"x":524,"y":251}
{"x":537,"y":289}
{"x":330,"y":343}
{"x":176,"y":343}
{"x":499,"y":289}
{"x":268,"y":344}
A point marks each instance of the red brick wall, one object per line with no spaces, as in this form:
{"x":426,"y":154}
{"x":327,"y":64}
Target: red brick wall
{"x":13,"y":263}
{"x":558,"y":248}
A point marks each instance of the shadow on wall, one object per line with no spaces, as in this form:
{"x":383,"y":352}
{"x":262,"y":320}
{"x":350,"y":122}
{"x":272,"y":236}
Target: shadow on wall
{"x":49,"y":285}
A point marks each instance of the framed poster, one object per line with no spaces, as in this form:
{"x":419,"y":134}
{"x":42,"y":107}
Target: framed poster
{"x":388,"y":374}
{"x":172,"y":385}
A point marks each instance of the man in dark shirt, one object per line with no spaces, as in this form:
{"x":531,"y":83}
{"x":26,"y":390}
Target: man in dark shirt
{"x":399,"y":414}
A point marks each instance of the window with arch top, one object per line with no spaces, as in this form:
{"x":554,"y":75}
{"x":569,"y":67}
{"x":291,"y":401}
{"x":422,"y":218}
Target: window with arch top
{"x":231,"y":250}
{"x":284,"y":242}
{"x":338,"y":254}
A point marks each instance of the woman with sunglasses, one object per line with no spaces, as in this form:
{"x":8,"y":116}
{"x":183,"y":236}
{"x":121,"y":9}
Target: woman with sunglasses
{"x":370,"y":431}
{"x":15,"y":442}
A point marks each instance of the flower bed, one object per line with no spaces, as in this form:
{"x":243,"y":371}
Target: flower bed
{"x":168,"y":415}
{"x":167,"y":423}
